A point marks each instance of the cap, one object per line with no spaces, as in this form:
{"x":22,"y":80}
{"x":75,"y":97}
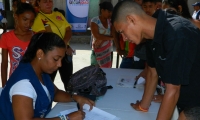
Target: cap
{"x":196,"y":4}
{"x":106,"y":5}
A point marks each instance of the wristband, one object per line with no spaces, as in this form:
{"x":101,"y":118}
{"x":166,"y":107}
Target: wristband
{"x":67,"y":118}
{"x":142,"y":109}
{"x":64,"y":117}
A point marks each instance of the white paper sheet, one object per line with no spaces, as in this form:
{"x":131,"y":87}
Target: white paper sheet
{"x":141,"y":80}
{"x":94,"y":114}
{"x":140,"y":83}
{"x":125,"y":81}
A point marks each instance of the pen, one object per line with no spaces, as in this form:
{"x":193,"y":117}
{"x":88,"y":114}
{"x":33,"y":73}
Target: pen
{"x":135,"y":83}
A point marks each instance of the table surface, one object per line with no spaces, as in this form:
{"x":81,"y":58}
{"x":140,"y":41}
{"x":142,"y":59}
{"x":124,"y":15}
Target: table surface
{"x":117,"y":100}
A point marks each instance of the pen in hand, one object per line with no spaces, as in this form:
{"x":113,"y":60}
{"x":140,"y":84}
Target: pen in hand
{"x":134,"y":86}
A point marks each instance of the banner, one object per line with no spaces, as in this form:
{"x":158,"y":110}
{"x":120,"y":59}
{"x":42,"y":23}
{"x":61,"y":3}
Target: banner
{"x":77,"y":14}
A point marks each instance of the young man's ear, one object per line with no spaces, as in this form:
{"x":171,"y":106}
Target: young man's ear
{"x":130,"y":19}
{"x":180,"y":9}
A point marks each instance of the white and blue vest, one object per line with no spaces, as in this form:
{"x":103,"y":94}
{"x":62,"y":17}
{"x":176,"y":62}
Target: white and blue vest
{"x":42,"y":104}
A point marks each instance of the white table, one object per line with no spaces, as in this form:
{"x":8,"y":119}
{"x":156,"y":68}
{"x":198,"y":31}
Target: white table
{"x":117,"y":100}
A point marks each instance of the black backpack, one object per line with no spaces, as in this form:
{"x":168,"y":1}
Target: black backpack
{"x":90,"y":80}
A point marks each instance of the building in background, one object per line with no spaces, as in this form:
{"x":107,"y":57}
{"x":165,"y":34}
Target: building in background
{"x":61,"y":4}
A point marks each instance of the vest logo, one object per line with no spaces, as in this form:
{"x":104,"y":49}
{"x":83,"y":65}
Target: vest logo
{"x":43,"y":113}
{"x":161,"y":58}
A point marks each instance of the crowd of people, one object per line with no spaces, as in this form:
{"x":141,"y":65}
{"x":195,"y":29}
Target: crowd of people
{"x":159,"y":36}
{"x":37,"y":47}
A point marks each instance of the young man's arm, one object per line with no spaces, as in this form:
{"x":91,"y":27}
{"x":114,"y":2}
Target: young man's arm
{"x":169,"y":102}
{"x":150,"y":87}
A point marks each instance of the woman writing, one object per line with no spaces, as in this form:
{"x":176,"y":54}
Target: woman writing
{"x":15,"y":42}
{"x":29,"y":92}
{"x":50,"y":21}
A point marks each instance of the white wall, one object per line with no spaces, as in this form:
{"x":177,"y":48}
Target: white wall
{"x":60,"y":4}
{"x":114,"y":2}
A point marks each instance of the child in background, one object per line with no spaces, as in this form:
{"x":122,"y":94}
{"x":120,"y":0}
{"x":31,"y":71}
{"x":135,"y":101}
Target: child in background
{"x":126,"y":51}
{"x":16,"y":41}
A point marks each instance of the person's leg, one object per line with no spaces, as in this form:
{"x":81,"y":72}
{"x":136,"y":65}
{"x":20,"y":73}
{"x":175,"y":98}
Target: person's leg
{"x":127,"y":63}
{"x":66,"y":71}
{"x":139,"y":64}
{"x":111,"y":58}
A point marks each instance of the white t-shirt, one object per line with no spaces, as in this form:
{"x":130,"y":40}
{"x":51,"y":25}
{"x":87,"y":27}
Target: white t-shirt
{"x":194,"y":16}
{"x":25,"y":88}
{"x":102,"y":29}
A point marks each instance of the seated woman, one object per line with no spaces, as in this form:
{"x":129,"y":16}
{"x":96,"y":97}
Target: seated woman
{"x":29,"y":92}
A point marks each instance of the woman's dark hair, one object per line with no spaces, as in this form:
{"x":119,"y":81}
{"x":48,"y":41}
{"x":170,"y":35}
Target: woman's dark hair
{"x":24,"y":7}
{"x":175,"y":3}
{"x":46,"y":41}
{"x":106,"y":6}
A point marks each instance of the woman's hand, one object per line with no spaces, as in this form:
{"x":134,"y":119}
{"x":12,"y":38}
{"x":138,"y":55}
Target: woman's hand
{"x":97,"y":43}
{"x":157,"y":98}
{"x":121,"y":52}
{"x":78,"y":115}
{"x":82,"y":100}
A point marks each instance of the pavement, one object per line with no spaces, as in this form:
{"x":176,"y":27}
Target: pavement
{"x":80,"y":60}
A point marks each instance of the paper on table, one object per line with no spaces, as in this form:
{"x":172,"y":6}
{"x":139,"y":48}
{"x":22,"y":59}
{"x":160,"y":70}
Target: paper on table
{"x":141,"y":80}
{"x":94,"y":114}
{"x":140,"y":83}
{"x":125,"y":81}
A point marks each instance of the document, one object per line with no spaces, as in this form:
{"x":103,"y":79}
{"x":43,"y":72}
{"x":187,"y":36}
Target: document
{"x":125,"y":81}
{"x":94,"y":114}
{"x":140,"y":83}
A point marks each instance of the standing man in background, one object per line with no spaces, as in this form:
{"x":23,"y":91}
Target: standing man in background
{"x":196,"y":14}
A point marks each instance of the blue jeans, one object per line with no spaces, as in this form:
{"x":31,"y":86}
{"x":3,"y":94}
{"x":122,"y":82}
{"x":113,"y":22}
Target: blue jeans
{"x":131,"y":64}
{"x":127,"y":63}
